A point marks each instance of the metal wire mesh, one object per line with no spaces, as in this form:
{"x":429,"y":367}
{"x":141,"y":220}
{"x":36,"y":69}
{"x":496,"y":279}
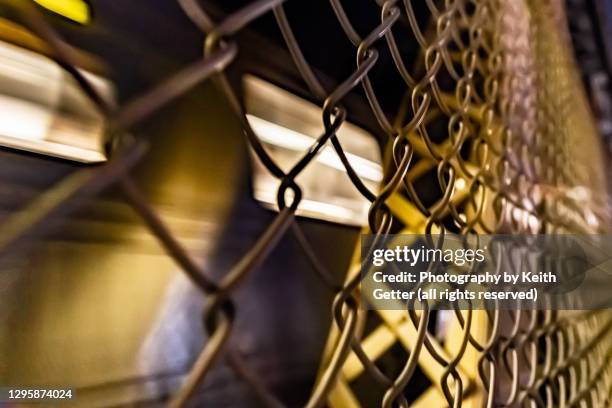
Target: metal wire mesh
{"x":517,"y":133}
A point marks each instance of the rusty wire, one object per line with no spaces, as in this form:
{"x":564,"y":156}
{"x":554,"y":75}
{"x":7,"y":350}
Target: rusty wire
{"x":515,"y":115}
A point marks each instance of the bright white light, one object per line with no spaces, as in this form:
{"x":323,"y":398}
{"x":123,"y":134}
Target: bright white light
{"x":277,"y":135}
{"x":288,"y":126}
{"x":460,"y":184}
{"x":311,"y":208}
{"x":23,"y":120}
{"x":43,"y":110}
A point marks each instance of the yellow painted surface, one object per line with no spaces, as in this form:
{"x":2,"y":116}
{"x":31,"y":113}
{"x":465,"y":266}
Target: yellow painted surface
{"x":75,"y":10}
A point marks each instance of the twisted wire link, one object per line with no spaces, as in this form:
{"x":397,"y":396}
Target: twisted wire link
{"x":493,"y":109}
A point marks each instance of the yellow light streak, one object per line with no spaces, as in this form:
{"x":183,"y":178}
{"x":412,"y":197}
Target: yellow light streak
{"x":75,"y":10}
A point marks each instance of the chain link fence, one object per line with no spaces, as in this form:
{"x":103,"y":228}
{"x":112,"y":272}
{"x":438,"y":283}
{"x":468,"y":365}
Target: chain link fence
{"x":513,"y":139}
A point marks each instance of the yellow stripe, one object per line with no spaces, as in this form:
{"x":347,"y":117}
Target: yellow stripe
{"x":75,"y":10}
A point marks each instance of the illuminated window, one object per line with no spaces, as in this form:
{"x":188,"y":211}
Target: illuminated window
{"x":287,"y":126}
{"x":43,"y":110}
